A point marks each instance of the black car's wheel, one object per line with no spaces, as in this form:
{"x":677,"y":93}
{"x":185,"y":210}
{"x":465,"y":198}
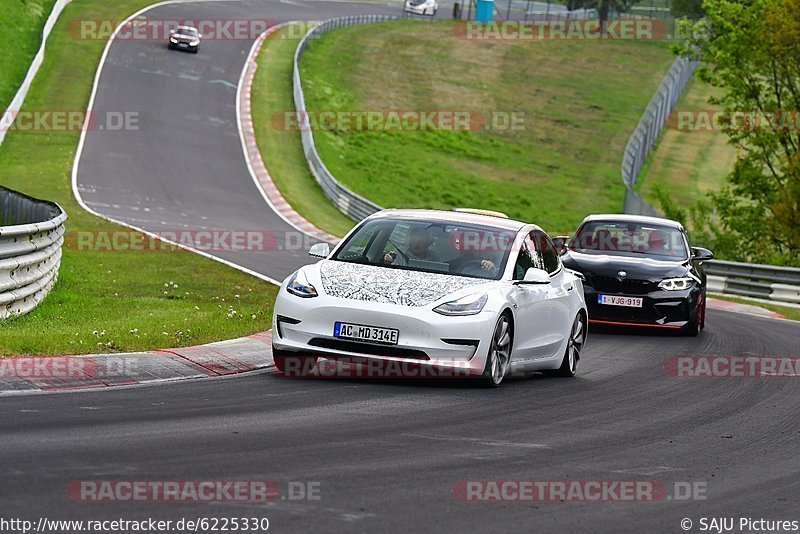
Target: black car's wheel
{"x":698,"y":322}
{"x":572,"y":354}
{"x":499,"y":356}
{"x":291,"y":364}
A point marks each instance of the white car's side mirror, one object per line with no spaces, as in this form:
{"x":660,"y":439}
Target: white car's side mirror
{"x":535,"y":276}
{"x":320,"y":250}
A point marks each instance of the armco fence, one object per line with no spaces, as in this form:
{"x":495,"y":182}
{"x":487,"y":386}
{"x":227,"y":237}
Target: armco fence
{"x":353,"y":205}
{"x":781,"y":284}
{"x":31,"y":235}
{"x":647,"y":131}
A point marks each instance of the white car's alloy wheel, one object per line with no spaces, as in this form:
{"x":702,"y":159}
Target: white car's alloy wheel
{"x":499,"y":352}
{"x":574,"y":346}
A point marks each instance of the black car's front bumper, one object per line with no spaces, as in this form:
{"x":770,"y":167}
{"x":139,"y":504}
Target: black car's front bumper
{"x":660,"y":308}
{"x":183,"y":45}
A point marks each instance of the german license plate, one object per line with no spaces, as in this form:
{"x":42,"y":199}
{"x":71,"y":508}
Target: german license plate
{"x":369,"y":334}
{"x":630,"y":302}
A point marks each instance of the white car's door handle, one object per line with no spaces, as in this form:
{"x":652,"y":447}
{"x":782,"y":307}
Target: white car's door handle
{"x":570,"y":288}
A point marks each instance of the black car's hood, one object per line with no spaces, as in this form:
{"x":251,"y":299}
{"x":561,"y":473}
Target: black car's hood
{"x":640,"y":268}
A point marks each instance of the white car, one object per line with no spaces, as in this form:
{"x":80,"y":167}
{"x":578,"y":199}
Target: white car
{"x":422,"y":7}
{"x":472,"y":294}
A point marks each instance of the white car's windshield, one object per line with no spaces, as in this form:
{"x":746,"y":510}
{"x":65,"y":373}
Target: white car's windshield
{"x":630,"y":239}
{"x":430,"y":246}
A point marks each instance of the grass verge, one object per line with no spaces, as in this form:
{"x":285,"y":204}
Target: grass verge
{"x":281,"y":149}
{"x":580,"y":100}
{"x":112,"y":301}
{"x":786,"y":311}
{"x":688,"y":163}
{"x":22,"y":24}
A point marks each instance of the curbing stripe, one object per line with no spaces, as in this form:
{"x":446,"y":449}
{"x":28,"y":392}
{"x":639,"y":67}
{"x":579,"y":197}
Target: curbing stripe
{"x":109,"y":371}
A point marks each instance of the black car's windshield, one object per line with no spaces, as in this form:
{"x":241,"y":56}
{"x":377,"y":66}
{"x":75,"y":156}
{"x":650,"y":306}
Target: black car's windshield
{"x":630,"y":239}
{"x":186,"y":31}
{"x":429,"y":246}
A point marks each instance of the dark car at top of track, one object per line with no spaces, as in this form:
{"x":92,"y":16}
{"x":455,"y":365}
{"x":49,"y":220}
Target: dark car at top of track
{"x":185,"y":38}
{"x":639,"y":272}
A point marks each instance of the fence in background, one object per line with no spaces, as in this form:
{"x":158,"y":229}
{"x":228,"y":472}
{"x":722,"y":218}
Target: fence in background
{"x":31,"y":235}
{"x":646,"y":132}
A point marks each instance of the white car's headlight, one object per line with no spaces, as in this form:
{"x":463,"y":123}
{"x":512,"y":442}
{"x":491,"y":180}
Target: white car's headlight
{"x":298,"y":285}
{"x":675,"y":284}
{"x":469,"y":305}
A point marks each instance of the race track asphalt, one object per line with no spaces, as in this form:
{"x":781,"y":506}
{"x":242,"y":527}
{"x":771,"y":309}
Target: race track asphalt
{"x":180,"y":168}
{"x":387,"y":454}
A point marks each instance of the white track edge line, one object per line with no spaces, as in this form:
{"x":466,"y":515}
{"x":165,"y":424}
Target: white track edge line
{"x":76,"y":162}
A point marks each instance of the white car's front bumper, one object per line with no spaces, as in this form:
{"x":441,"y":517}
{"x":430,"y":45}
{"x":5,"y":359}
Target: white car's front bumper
{"x":421,"y":332}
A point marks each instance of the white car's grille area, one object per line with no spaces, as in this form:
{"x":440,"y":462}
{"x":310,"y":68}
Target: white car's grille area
{"x":387,"y":285}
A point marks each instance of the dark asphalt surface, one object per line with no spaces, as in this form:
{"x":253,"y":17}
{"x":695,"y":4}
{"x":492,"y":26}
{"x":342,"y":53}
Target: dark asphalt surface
{"x":387,"y":455}
{"x":183,"y":169}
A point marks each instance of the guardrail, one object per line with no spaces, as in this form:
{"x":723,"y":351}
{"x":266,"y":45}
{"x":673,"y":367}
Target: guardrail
{"x":31,"y":235}
{"x":780,"y":284}
{"x":646,"y":132}
{"x":351,"y":204}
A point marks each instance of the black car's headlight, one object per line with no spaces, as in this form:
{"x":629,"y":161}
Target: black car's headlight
{"x":173,"y":40}
{"x":676,"y":284}
{"x":299,"y":285}
{"x":469,"y":305}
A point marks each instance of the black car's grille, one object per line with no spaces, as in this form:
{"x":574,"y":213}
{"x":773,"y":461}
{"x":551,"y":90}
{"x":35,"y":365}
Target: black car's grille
{"x":625,"y":286}
{"x":368,"y":349}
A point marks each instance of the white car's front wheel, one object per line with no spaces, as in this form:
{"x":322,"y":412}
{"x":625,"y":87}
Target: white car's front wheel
{"x":499,"y":355}
{"x":577,"y":338}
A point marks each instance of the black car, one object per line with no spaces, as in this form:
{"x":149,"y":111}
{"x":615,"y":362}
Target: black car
{"x":639,"y":272}
{"x":185,"y":38}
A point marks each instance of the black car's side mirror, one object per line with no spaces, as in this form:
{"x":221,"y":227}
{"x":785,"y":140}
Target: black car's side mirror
{"x":702,"y":254}
{"x":560,"y":242}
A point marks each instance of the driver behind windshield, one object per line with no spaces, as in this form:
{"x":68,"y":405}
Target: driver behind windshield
{"x":418,"y":242}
